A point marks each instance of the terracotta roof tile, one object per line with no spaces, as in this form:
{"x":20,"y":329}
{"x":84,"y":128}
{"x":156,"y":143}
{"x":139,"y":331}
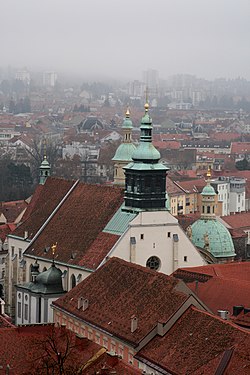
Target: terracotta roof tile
{"x":119,"y":290}
{"x":77,"y":225}
{"x":44,"y":201}
{"x":11,"y":210}
{"x":234,"y":270}
{"x":238,"y":221}
{"x":196,"y":343}
{"x":23,"y":350}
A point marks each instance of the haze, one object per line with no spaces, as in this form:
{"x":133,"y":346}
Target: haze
{"x":119,"y":39}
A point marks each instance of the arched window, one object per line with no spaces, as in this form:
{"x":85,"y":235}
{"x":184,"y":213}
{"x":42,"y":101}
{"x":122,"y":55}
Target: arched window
{"x":30,"y":273}
{"x":73,"y":281}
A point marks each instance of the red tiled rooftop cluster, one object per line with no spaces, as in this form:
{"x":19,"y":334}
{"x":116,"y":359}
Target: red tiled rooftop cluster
{"x":197,"y":343}
{"x":119,"y":290}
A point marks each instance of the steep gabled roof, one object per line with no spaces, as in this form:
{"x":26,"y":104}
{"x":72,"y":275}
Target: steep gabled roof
{"x":196,"y":344}
{"x":11,"y":210}
{"x":77,"y":225}
{"x":44,"y":201}
{"x":117,"y":291}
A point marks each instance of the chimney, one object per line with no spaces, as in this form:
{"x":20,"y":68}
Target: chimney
{"x":134,"y":323}
{"x":237,"y":310}
{"x":223,"y":314}
{"x":25,"y":234}
{"x":83,"y":303}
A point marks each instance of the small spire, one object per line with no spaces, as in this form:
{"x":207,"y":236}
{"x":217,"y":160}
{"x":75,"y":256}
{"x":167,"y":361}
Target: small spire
{"x":53,"y":248}
{"x":44,"y":149}
{"x":127,"y":112}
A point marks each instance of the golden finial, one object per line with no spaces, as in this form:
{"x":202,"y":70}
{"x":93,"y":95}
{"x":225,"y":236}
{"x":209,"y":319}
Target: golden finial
{"x":127,"y":112}
{"x":208,"y":172}
{"x":53,"y":248}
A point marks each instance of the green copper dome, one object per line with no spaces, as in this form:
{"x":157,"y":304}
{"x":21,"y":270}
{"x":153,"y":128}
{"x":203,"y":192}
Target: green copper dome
{"x":124,"y":152}
{"x":208,"y":190}
{"x":45,"y":164}
{"x":146,"y":151}
{"x":127,"y":123}
{"x":213,"y":236}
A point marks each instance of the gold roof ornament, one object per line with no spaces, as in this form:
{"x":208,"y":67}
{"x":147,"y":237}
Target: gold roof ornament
{"x":208,"y":172}
{"x":127,"y":112}
{"x":53,"y":248}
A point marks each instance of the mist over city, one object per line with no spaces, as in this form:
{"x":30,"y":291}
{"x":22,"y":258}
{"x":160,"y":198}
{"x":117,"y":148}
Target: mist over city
{"x":124,"y":187}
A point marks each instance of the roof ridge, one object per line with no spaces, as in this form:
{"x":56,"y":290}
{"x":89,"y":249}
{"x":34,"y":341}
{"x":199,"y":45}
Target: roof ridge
{"x":53,"y":213}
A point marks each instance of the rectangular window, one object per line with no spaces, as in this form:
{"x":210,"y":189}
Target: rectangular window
{"x":142,"y":236}
{"x":20,"y":253}
{"x":185,"y":258}
{"x":19,"y":306}
{"x":25,"y":311}
{"x":12,"y":251}
{"x":105,"y":342}
{"x":169,"y":234}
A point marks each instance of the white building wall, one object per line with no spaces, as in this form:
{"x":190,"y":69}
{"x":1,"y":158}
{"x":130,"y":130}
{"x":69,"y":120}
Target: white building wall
{"x":153,"y":233}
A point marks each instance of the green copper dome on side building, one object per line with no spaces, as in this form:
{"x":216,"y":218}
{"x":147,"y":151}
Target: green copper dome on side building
{"x":207,"y":232}
{"x":213,"y":236}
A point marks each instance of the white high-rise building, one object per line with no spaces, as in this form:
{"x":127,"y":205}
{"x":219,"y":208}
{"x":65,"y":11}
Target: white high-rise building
{"x":49,"y":79}
{"x":151,"y":79}
{"x":24,"y":76}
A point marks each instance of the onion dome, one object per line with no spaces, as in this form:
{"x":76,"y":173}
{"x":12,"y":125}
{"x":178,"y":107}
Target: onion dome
{"x":146,"y":152}
{"x":50,"y":281}
{"x":126,"y":148}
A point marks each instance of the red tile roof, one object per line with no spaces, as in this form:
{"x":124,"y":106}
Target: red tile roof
{"x":5,"y":322}
{"x":191,"y":186}
{"x":171,"y":145}
{"x":27,"y":349}
{"x":77,"y":225}
{"x":119,"y":290}
{"x":234,"y":270}
{"x":11,"y":210}
{"x":196,"y":344}
{"x":238,"y":221}
{"x":44,"y":201}
{"x":6,"y":229}
{"x":240,"y":147}
{"x":212,"y":284}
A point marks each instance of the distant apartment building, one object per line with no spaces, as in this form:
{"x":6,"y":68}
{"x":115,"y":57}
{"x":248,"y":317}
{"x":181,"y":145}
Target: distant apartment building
{"x":231,"y":194}
{"x":23,"y":75}
{"x":49,"y":79}
{"x":151,"y":79}
{"x":136,"y":89}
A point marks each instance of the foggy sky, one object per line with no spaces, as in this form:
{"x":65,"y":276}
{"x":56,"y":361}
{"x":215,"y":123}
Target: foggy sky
{"x":120,"y":39}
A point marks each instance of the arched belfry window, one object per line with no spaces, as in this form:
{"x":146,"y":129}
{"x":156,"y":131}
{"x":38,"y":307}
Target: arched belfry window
{"x":73,"y":281}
